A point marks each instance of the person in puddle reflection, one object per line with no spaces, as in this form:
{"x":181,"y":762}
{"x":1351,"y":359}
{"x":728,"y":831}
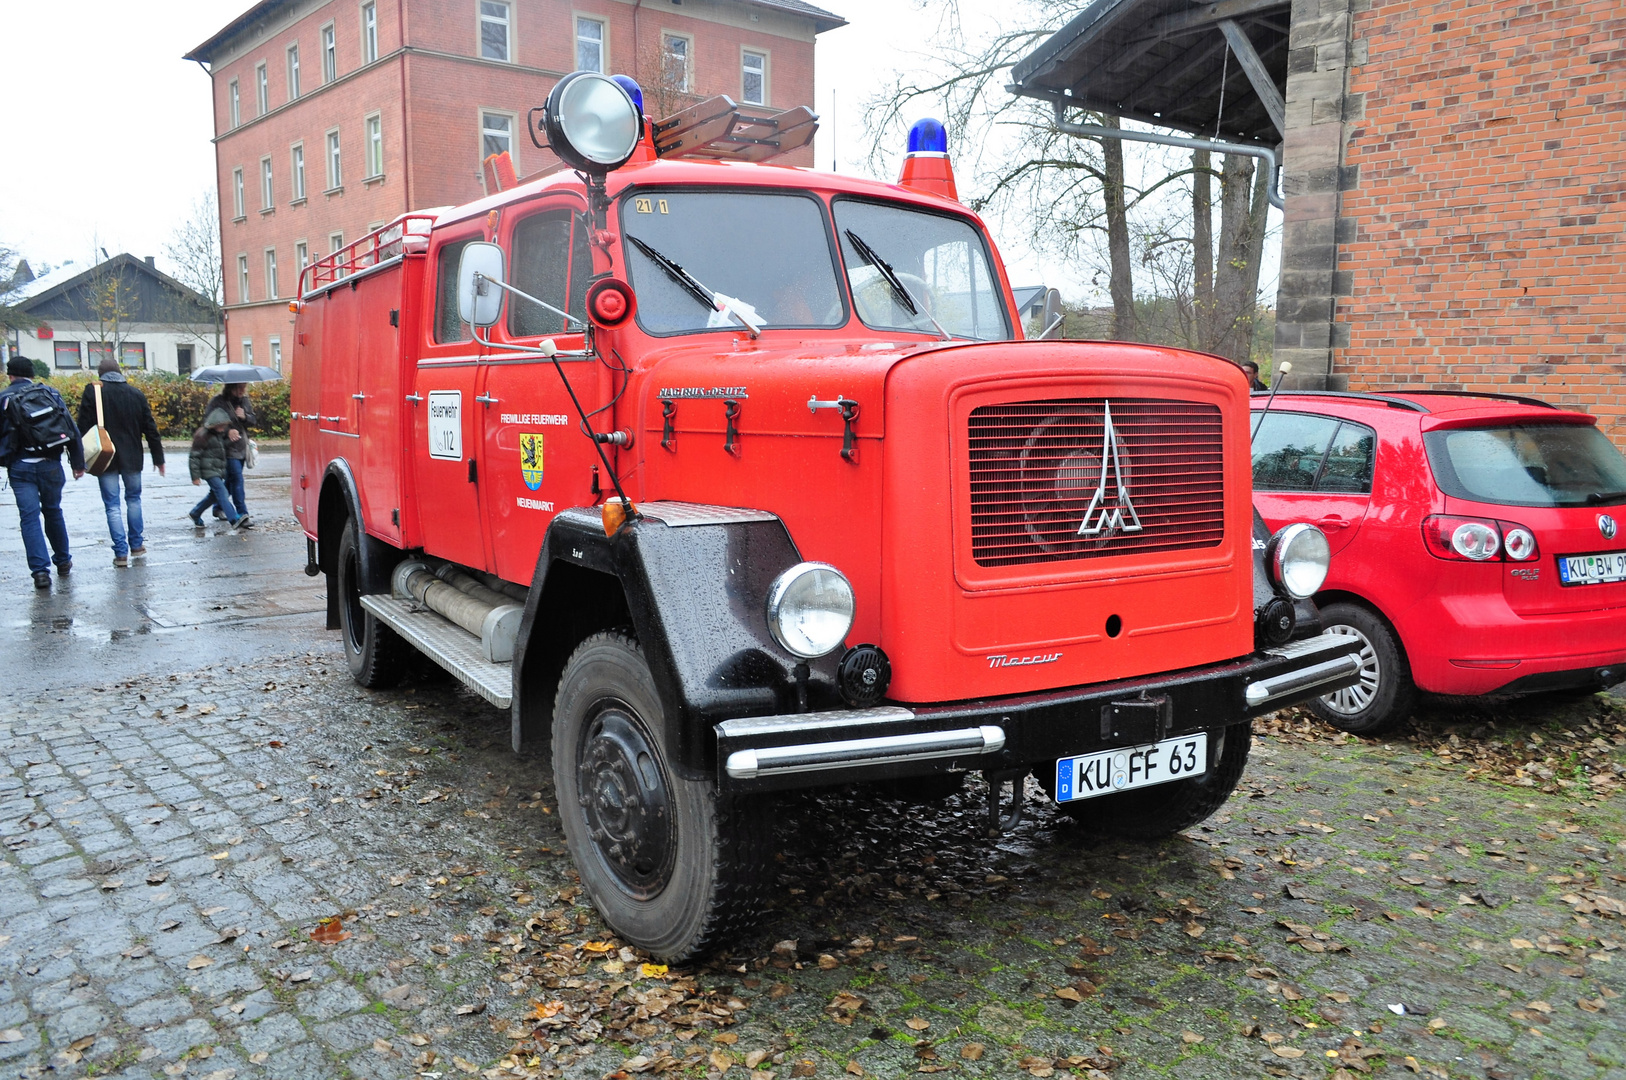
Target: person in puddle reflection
{"x":208,"y":465}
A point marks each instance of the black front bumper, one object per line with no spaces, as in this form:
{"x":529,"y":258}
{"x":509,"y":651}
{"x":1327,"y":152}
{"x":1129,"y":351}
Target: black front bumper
{"x":773,"y":753}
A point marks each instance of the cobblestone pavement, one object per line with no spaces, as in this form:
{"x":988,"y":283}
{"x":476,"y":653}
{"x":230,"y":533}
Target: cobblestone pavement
{"x":171,"y":842}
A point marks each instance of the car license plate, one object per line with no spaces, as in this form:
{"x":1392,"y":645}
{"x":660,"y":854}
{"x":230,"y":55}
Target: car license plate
{"x":1131,"y":767}
{"x":1592,"y":569}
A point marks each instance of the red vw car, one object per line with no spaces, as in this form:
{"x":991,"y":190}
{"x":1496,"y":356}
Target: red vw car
{"x":1477,"y":539}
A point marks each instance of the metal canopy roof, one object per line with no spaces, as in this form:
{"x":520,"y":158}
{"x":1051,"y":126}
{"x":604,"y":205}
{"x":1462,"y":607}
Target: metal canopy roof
{"x":1160,"y":61}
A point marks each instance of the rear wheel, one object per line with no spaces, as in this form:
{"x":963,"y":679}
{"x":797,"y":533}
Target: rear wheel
{"x":1384,"y":692}
{"x":1164,"y":809}
{"x":376,"y":654}
{"x":671,"y":865}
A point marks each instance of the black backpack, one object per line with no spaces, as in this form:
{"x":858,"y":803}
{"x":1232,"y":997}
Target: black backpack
{"x":36,"y":414}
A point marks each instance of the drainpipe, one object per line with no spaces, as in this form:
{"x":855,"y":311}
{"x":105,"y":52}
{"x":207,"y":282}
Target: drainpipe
{"x":1265,"y":154}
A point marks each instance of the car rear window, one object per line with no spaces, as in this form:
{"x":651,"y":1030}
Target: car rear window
{"x":1528,"y":465}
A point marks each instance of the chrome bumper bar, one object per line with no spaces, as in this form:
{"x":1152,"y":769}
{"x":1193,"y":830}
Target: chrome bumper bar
{"x":852,"y":753}
{"x":1265,"y":691}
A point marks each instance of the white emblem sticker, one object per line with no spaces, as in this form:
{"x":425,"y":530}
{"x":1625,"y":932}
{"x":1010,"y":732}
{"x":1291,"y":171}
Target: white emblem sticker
{"x":446,"y":424}
{"x":1108,"y":521}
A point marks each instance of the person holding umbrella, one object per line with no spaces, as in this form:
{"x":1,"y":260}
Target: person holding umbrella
{"x":233,"y":401}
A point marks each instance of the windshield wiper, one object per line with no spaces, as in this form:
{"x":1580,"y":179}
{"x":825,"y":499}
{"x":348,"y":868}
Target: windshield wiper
{"x":1599,"y":497}
{"x":714,"y":301}
{"x":900,"y":290}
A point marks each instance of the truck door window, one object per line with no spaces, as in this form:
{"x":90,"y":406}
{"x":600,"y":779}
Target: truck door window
{"x":1288,"y":449}
{"x":768,"y":252}
{"x":941,"y":259}
{"x":448,"y":327}
{"x":552,"y":262}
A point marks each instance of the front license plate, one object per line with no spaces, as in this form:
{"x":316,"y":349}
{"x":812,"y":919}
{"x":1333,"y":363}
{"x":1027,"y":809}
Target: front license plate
{"x":1592,"y":569}
{"x":1131,"y":767}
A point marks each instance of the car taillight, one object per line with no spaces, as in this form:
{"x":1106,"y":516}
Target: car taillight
{"x":1478,"y":539}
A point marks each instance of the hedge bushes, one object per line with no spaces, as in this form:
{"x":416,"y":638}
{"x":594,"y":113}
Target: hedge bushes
{"x":178,"y":404}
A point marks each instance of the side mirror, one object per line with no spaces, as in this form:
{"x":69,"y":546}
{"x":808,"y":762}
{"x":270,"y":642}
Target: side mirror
{"x":1052,"y":312}
{"x":479,"y":302}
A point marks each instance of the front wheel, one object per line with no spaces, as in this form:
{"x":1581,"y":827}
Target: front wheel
{"x":672,"y":866}
{"x":376,"y":654}
{"x":1162,"y":810}
{"x":1384,"y":692}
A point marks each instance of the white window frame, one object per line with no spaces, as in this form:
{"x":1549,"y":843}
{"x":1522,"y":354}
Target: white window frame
{"x":369,"y":32}
{"x":248,"y":350}
{"x":302,"y":259}
{"x":242,"y":278}
{"x":276,"y":353}
{"x":237,"y":193}
{"x":262,"y":88}
{"x":293,"y":71}
{"x":296,"y":171}
{"x":270,"y":273}
{"x":330,"y":53}
{"x":669,"y":36}
{"x":372,"y":127}
{"x":767,"y":61}
{"x":268,"y":186}
{"x":603,"y":42}
{"x":234,"y":104}
{"x":513,"y":128}
{"x":335,"y":160}
{"x":335,"y":241}
{"x":505,"y":20}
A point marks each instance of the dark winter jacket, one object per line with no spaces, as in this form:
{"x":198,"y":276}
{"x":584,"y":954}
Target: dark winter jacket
{"x":222,"y":400}
{"x":127,"y":417}
{"x":11,"y":453}
{"x":208,"y":457}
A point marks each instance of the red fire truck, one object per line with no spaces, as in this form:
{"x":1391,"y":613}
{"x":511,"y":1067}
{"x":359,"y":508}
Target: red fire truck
{"x":727,"y":478}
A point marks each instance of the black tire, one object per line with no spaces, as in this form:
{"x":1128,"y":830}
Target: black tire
{"x":1385,"y":695}
{"x":1162,"y":810}
{"x":672,"y":866}
{"x":377,"y":656}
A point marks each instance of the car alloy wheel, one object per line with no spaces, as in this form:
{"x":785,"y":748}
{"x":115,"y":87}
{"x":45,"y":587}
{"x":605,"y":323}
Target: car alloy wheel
{"x":1353,"y":700}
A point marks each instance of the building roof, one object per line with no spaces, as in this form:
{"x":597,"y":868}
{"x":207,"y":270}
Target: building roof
{"x":58,"y":293}
{"x":1028,"y":296}
{"x":1162,"y":62}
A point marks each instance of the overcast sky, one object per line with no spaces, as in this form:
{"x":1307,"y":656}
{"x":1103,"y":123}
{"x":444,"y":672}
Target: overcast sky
{"x":109,"y":140}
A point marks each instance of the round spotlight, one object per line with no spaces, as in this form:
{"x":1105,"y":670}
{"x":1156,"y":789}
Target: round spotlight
{"x":810,"y":609}
{"x":610,"y":302}
{"x":1298,"y":557}
{"x":591,"y":122}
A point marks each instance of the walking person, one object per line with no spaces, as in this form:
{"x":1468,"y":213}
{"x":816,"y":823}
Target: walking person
{"x":127,"y":415}
{"x":35,"y":426}
{"x":208,"y":466}
{"x":233,"y":397}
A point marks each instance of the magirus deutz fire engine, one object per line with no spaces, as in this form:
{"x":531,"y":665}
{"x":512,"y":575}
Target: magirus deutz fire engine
{"x":727,"y":478}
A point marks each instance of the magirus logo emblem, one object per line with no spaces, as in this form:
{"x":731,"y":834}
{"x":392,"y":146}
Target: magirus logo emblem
{"x":1606,"y":525}
{"x":1101,"y":519}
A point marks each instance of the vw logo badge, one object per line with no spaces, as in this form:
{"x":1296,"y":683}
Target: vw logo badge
{"x":1606,"y":525}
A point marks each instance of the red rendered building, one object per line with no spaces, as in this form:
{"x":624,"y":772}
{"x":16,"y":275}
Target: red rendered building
{"x":332,"y":118}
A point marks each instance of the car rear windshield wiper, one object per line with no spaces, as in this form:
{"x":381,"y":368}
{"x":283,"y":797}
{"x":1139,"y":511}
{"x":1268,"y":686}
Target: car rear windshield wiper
{"x":714,"y":301}
{"x":899,"y":289}
{"x":1597,"y":498}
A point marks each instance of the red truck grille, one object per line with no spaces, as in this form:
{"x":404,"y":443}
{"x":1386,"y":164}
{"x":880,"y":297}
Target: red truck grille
{"x":1047,"y":485}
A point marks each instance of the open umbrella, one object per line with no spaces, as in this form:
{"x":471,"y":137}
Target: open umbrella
{"x":236,"y":373}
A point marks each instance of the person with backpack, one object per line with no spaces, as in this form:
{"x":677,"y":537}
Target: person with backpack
{"x":35,"y":427}
{"x":124,"y":411}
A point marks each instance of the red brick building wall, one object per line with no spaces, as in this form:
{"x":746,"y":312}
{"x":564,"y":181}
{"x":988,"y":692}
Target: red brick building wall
{"x":429,"y":85}
{"x":1482,"y":240}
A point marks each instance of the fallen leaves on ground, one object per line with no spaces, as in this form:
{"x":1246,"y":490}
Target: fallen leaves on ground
{"x":329,"y":931}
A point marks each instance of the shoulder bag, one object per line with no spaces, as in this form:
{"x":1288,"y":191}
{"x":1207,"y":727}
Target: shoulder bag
{"x":98,"y":443}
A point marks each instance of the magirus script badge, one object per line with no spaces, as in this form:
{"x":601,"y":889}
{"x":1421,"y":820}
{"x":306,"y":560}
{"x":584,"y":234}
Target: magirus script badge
{"x":1101,"y":519}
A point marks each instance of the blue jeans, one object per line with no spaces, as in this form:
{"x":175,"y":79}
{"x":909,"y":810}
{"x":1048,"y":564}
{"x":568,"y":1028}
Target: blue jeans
{"x":122,"y":542}
{"x":234,"y":487}
{"x":38,"y":488}
{"x":218,"y":496}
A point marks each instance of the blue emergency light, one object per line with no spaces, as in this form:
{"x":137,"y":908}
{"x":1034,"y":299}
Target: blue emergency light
{"x":634,"y":91}
{"x":928,"y":136}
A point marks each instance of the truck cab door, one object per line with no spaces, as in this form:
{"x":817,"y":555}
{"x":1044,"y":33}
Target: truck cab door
{"x":538,"y":461}
{"x":446,"y":447}
{"x":1313,"y":468}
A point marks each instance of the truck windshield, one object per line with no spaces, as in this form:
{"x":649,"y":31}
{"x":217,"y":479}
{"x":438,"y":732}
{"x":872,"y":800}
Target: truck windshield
{"x":939,"y":259}
{"x":768,"y":254}
{"x":1529,"y":465}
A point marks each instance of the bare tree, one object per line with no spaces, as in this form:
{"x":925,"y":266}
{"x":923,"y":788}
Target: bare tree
{"x":109,"y":302}
{"x":666,"y":82}
{"x":193,"y":250}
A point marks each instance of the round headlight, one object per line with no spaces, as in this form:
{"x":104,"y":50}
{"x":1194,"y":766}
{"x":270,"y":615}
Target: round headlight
{"x":1298,"y":558}
{"x":810,"y":609}
{"x":591,"y":122}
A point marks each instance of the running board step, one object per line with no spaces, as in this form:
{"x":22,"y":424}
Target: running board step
{"x":447,"y":644}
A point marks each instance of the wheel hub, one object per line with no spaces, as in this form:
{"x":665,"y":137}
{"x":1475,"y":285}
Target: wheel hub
{"x":624,"y":794}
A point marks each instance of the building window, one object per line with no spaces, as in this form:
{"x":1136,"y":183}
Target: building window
{"x":330,"y":55}
{"x":234,"y":103}
{"x":293,"y":71}
{"x":248,"y":351}
{"x":302,"y":259}
{"x":298,"y":172}
{"x":99,"y":351}
{"x":496,"y":134}
{"x":335,"y":176}
{"x":589,"y":45}
{"x":335,"y":241}
{"x":267,"y":197}
{"x":369,"y":33}
{"x":276,"y":353}
{"x":270,"y":273}
{"x":262,"y":89}
{"x":675,"y":61}
{"x":754,"y":78}
{"x":375,"y":146}
{"x":237,"y":193}
{"x":494,"y":30}
{"x":242,"y":279}
{"x":67,"y":354}
{"x":133,"y":354}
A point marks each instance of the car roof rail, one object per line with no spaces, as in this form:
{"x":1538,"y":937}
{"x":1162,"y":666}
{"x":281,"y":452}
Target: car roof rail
{"x":1520,"y":398}
{"x":1392,"y":402}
